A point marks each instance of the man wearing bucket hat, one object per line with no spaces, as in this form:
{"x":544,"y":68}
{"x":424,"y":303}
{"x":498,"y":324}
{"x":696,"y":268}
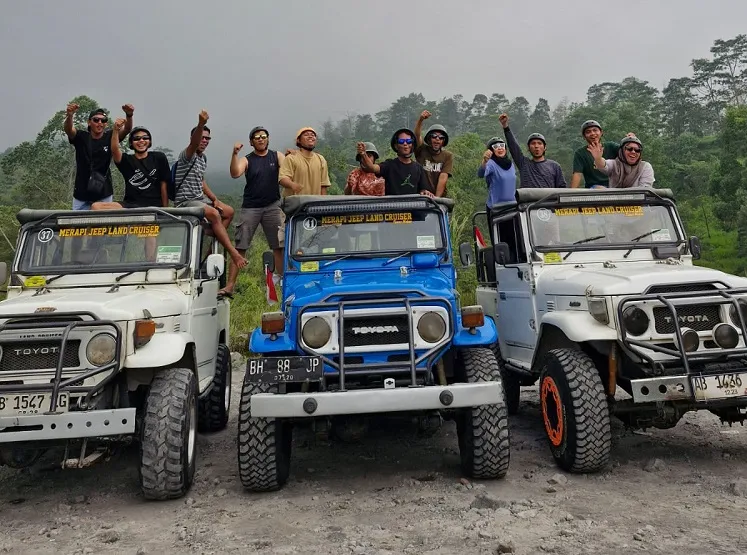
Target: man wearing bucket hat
{"x":362,"y":182}
{"x":536,"y":171}
{"x":583,"y":163}
{"x":436,"y":162}
{"x":305,"y":172}
{"x":261,"y":199}
{"x":402,"y":175}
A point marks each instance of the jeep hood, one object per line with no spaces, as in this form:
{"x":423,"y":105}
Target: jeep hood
{"x":627,"y":278}
{"x":126,"y":304}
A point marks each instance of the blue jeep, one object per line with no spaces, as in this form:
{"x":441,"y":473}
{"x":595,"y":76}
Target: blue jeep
{"x":373,"y":279}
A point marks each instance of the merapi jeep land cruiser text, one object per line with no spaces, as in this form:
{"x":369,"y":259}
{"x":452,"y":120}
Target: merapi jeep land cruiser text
{"x":112,"y":331}
{"x":594,"y":291}
{"x":370,"y":323}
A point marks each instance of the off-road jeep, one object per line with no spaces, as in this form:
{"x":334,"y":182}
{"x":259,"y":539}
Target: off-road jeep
{"x":370,"y":323}
{"x":596,"y":297}
{"x":112,"y":331}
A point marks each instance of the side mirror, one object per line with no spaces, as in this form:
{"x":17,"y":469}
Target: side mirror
{"x":268,"y":260}
{"x":3,"y":272}
{"x":465,"y":254}
{"x":695,"y":249}
{"x":502,"y":253}
{"x":216,"y":265}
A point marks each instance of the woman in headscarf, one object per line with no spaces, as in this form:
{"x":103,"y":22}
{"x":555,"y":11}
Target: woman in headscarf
{"x":499,"y":173}
{"x":627,"y":170}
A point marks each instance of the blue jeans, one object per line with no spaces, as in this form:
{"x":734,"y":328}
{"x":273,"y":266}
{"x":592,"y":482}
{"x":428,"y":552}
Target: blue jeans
{"x":86,"y":205}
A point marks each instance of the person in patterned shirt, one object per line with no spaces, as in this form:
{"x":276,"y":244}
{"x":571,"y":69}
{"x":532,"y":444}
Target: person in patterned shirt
{"x":363,"y":182}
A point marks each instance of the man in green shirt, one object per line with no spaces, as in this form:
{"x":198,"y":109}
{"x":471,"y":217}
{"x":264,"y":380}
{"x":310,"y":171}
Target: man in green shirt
{"x":583,"y":161}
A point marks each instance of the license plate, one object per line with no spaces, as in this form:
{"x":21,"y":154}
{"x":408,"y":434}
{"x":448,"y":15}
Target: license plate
{"x":15,"y":404}
{"x":284,"y":369}
{"x":722,"y":386}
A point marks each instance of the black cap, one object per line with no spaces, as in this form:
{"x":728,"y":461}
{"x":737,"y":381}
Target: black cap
{"x":258,"y":128}
{"x":97,"y":111}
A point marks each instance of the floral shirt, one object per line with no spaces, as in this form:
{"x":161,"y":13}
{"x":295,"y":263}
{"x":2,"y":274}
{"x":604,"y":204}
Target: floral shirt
{"x":364,"y":183}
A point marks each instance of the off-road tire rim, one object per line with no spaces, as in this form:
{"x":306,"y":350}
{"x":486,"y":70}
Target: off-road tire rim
{"x":483,"y":430}
{"x":168,"y":441}
{"x":264,"y":444}
{"x":582,"y":423}
{"x":216,"y":405}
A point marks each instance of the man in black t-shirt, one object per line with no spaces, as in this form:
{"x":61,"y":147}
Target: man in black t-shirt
{"x":402,"y":175}
{"x":146,"y":174}
{"x":93,"y":155}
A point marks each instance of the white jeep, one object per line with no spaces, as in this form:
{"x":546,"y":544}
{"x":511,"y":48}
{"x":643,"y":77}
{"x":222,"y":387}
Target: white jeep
{"x":111,"y":331}
{"x":593,"y":292}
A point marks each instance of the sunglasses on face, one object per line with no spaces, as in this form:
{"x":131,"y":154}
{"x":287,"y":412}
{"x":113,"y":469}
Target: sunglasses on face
{"x":404,"y":141}
{"x":636,"y":150}
{"x":99,"y":120}
{"x":437,"y":136}
{"x":259,"y":137}
{"x":496,"y":146}
{"x":140,"y":138}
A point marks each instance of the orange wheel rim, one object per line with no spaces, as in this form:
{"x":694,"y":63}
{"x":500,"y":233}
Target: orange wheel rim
{"x":552,"y":411}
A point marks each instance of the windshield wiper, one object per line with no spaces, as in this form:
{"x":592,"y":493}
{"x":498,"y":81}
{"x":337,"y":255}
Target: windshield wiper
{"x":406,"y":253}
{"x":585,"y":240}
{"x":642,"y":236}
{"x":50,"y":280}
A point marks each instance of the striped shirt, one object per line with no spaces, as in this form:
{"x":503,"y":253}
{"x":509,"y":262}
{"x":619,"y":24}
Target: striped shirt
{"x":189,"y":187}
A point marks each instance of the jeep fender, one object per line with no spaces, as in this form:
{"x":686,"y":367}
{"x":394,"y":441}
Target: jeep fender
{"x":261,"y":343}
{"x":484,"y":336}
{"x":163,"y":349}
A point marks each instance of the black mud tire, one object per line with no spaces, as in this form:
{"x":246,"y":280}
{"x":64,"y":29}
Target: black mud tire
{"x":264,"y":444}
{"x":575,"y":412}
{"x":483,"y":430}
{"x":511,"y":383}
{"x":168,"y":441}
{"x":215,"y":406}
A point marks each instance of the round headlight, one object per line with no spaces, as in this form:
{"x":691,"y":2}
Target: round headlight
{"x":101,"y":349}
{"x":725,"y":335}
{"x":733,"y":312}
{"x":316,"y":332}
{"x":431,"y":327}
{"x":635,"y":320}
{"x":690,"y":339}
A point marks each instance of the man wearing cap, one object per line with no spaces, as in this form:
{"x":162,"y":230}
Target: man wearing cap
{"x":362,"y":182}
{"x":402,"y":175}
{"x":93,"y":178}
{"x":438,"y":163}
{"x":261,"y":202}
{"x":583,"y":162}
{"x":305,"y":172}
{"x":499,"y":173}
{"x":537,"y":171}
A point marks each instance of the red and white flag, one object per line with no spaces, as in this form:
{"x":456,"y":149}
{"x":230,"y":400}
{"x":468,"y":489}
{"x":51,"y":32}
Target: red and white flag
{"x":478,"y":238}
{"x":271,"y":292}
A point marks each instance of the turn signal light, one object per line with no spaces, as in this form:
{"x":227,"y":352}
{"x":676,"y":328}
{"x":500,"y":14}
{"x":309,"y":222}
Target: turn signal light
{"x":144,"y":330}
{"x":473,"y":316}
{"x":273,"y":323}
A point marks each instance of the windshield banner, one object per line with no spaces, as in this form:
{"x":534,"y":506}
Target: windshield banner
{"x":631,"y":211}
{"x":395,"y":218}
{"x":114,"y":231}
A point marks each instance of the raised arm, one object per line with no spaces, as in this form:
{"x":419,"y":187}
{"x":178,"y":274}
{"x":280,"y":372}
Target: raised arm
{"x":116,"y":150}
{"x":238,"y":165}
{"x":68,"y":125}
{"x":483,"y":167}
{"x":366,"y":161}
{"x":513,"y":145}
{"x":194,"y":142}
{"x":128,"y":109}
{"x":419,"y":127}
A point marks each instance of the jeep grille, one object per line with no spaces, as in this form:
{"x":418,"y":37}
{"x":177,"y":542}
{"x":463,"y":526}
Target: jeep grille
{"x":698,"y":317}
{"x":376,"y":330}
{"x":37,"y":355}
{"x":680,"y":288}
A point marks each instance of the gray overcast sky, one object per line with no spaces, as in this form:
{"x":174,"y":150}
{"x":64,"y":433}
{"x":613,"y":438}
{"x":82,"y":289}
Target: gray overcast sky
{"x":288,"y":64}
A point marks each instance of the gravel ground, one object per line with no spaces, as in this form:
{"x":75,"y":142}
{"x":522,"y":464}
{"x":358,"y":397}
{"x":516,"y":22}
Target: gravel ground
{"x":676,"y":491}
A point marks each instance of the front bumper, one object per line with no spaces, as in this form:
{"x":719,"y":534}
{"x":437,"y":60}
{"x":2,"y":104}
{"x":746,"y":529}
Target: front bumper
{"x":369,"y":401}
{"x":702,"y":390}
{"x":68,"y":425}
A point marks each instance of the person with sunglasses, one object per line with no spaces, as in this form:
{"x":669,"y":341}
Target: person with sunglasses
{"x":537,"y":171}
{"x":93,"y":178}
{"x":261,"y":202}
{"x":627,"y":169}
{"x":583,"y":163}
{"x":499,"y":173}
{"x":402,"y":175}
{"x":437,"y":163}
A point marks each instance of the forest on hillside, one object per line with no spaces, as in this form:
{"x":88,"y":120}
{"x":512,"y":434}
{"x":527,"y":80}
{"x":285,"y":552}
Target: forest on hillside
{"x":694,"y":133}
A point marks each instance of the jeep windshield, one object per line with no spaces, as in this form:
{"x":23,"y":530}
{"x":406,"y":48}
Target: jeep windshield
{"x":366,"y":234}
{"x":90,"y":244}
{"x":589,"y":226}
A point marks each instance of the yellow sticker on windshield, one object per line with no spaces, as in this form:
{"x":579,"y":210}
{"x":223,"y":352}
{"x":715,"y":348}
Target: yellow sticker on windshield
{"x":114,"y":231}
{"x":553,"y":258}
{"x":35,"y":281}
{"x":328,"y":250}
{"x":396,"y":218}
{"x":311,"y":266}
{"x":632,"y":211}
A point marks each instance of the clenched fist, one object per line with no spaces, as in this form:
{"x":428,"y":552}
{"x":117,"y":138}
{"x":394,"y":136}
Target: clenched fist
{"x":237,"y":147}
{"x":425,"y":115}
{"x":71,"y":109}
{"x":503,"y":118}
{"x":128,"y":109}
{"x":203,"y":117}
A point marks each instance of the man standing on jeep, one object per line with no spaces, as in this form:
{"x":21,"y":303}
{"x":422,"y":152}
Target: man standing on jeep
{"x":583,"y":162}
{"x":305,"y":172}
{"x":536,"y":171}
{"x":191,"y":189}
{"x":93,"y":178}
{"x":261,"y":203}
{"x":402,"y":175}
{"x":438,"y":163}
